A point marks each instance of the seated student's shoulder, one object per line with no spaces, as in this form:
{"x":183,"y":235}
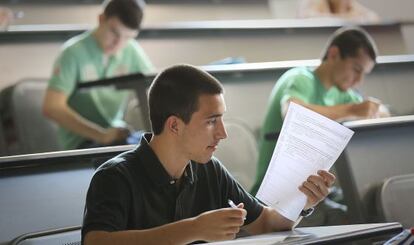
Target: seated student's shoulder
{"x":122,"y":164}
{"x":77,"y":42}
{"x":77,"y":49}
{"x":133,"y":48}
{"x":302,"y":76}
{"x":134,"y":55}
{"x":301,"y":72}
{"x":297,"y":72}
{"x":133,"y":44}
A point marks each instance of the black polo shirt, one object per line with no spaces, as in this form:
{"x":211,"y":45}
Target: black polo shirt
{"x":134,"y":191}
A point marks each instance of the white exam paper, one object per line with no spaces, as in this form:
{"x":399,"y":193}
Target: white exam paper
{"x":307,"y":143}
{"x":259,"y":240}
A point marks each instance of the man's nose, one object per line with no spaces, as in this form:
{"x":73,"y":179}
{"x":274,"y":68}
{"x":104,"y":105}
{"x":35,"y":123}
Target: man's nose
{"x":117,"y":40}
{"x":358,"y":78}
{"x":222,"y":133}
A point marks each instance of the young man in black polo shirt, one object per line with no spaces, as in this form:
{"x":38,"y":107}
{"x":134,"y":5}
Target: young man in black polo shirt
{"x":170,"y":190}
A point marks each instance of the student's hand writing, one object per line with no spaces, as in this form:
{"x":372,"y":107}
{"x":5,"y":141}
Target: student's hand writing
{"x":316,"y":187}
{"x":383,"y":111}
{"x":220,"y":224}
{"x":366,"y":109}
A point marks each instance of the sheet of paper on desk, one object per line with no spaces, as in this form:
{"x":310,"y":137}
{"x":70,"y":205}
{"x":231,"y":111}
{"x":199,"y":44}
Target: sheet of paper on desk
{"x":260,"y":240}
{"x":307,"y":142}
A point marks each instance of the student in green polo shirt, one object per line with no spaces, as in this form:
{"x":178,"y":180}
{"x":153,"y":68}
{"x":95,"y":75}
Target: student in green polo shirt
{"x":94,"y":117}
{"x":350,"y":54}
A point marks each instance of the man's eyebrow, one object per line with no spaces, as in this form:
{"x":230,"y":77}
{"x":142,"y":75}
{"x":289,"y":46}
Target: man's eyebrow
{"x":359,"y":66}
{"x":214,"y":115}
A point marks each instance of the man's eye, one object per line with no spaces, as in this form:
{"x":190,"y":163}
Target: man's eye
{"x":212,"y":121}
{"x":115,"y":32}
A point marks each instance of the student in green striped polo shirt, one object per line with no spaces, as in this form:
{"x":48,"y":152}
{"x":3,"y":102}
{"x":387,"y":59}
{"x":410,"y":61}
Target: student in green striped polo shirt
{"x":327,"y":89}
{"x":95,"y":117}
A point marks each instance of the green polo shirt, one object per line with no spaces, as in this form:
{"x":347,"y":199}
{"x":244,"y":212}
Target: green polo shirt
{"x":82,"y":60}
{"x":300,"y":83}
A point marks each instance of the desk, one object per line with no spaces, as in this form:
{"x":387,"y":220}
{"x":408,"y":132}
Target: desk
{"x":345,"y":233}
{"x":46,"y":190}
{"x":327,"y":234}
{"x":314,"y":235}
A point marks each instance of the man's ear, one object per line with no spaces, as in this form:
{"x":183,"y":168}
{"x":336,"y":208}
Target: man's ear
{"x":333,"y":53}
{"x":173,"y":124}
{"x":101,"y":18}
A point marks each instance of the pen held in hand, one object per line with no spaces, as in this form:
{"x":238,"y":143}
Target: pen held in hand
{"x":375,"y":100}
{"x":231,"y":203}
{"x":383,"y":109}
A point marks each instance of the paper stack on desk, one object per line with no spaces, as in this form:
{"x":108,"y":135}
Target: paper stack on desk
{"x":307,"y":143}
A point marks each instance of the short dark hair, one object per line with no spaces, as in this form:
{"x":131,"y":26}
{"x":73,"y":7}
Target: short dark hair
{"x":350,"y":40}
{"x":176,"y":90}
{"x":129,"y":12}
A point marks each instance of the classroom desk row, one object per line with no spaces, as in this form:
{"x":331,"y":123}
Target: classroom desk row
{"x":247,"y":89}
{"x":248,"y":86}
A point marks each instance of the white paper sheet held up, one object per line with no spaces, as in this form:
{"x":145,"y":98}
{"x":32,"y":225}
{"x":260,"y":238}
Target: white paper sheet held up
{"x":307,"y":143}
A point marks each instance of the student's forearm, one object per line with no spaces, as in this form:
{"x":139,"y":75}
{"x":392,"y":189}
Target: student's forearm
{"x":269,"y":221}
{"x":180,"y":232}
{"x":276,"y":222}
{"x":55,"y":107}
{"x":336,"y":112}
{"x":71,"y":120}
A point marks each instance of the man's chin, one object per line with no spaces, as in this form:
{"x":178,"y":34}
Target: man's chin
{"x":110,"y":51}
{"x":203,"y":160}
{"x":344,"y":88}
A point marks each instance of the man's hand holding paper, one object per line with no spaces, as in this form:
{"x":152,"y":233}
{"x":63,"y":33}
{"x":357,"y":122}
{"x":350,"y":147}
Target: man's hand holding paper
{"x":316,"y":187}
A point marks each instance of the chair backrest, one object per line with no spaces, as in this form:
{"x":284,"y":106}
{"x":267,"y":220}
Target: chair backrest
{"x":396,"y":199}
{"x":238,"y":152}
{"x":133,"y":114}
{"x":28,"y":130}
{"x":2,"y":137}
{"x":64,"y":236}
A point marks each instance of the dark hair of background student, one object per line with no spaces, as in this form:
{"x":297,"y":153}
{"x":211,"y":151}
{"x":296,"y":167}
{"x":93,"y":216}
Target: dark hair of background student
{"x":129,"y":12}
{"x":350,"y":40}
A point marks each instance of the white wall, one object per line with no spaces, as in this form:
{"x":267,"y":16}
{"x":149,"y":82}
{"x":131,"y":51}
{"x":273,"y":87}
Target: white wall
{"x":394,"y":9}
{"x":158,"y":13}
{"x":155,"y":13}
